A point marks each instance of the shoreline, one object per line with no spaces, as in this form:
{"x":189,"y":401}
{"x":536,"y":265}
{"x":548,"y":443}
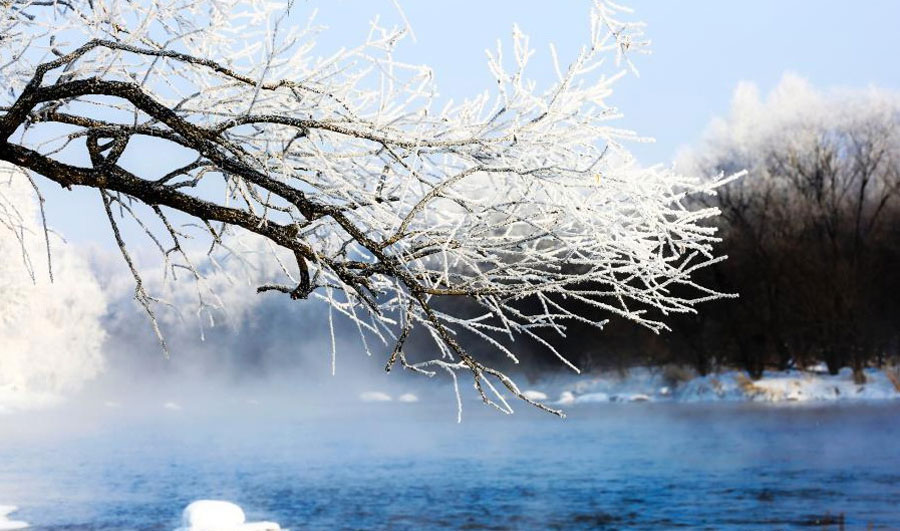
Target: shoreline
{"x":676,"y":384}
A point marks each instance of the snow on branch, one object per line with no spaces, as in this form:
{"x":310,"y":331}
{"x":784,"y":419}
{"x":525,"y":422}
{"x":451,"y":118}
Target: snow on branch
{"x":385,"y":205}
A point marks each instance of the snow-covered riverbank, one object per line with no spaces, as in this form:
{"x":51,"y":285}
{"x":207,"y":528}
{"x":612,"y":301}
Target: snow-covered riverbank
{"x":661,"y":385}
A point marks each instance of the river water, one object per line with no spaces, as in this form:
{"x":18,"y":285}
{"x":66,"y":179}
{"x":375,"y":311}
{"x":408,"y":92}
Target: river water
{"x":410,"y":466}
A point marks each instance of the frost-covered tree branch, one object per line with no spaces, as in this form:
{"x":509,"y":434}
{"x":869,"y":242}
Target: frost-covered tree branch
{"x":385,"y":204}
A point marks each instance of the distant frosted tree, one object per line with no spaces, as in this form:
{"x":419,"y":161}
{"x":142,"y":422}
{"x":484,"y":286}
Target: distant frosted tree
{"x":50,"y":332}
{"x":369,"y":196}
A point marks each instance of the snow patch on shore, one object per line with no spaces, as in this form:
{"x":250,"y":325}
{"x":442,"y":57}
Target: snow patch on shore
{"x":375,"y":396}
{"x":172,"y":406}
{"x":790,"y":386}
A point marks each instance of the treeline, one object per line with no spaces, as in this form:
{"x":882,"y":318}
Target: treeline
{"x":812,"y":235}
{"x":813,"y":239}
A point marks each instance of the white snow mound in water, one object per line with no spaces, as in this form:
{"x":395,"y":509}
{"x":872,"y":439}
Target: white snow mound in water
{"x":218,"y":515}
{"x":408,"y":398}
{"x":6,"y":523}
{"x":565,"y":398}
{"x":531,"y":394}
{"x":375,"y":396}
{"x":591,"y":398}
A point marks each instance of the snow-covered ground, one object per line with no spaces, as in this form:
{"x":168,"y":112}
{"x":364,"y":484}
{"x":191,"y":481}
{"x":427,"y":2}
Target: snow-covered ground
{"x":642,"y":385}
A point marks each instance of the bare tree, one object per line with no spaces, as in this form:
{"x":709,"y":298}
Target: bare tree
{"x":385,"y":204}
{"x":812,"y":229}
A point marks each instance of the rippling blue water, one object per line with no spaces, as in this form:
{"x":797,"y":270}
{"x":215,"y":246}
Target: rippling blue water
{"x":633,"y":466}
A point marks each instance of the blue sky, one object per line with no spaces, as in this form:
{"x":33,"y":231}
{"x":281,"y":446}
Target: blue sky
{"x":701,"y":50}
